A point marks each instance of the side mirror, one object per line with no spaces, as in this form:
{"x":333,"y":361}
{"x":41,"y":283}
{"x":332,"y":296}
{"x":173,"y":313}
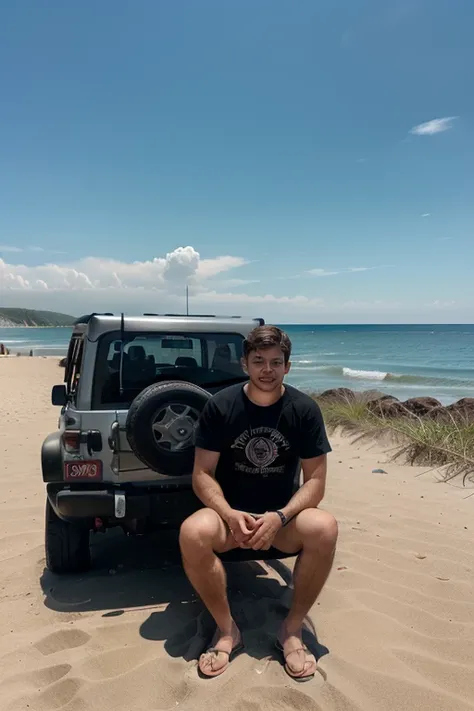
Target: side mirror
{"x":58,"y":395}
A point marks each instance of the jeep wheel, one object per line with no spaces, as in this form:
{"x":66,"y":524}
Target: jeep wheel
{"x":66,"y":544}
{"x":161,"y":424}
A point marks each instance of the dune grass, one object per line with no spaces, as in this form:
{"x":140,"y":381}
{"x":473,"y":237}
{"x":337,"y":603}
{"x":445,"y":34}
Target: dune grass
{"x":448,"y":446}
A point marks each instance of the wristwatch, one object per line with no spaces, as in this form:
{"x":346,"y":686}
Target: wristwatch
{"x":283,"y":518}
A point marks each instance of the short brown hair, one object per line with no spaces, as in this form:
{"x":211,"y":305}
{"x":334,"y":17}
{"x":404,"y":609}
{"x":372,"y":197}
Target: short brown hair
{"x":264,"y":337}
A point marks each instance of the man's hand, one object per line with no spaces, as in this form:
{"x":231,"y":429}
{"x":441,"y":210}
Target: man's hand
{"x":241,"y":525}
{"x":264,"y":532}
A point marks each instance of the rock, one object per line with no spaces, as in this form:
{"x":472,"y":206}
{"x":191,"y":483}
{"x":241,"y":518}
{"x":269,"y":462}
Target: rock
{"x":379,"y":405}
{"x":420,"y":406}
{"x":375,"y":395}
{"x":439,"y":414}
{"x":461,"y":411}
{"x":62,"y":363}
{"x":388,"y":407}
{"x":338,"y":395}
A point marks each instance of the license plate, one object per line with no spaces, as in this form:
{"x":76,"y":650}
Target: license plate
{"x":90,"y":470}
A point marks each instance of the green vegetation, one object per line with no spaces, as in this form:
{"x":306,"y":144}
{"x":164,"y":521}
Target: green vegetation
{"x":31,"y":317}
{"x":448,"y":445}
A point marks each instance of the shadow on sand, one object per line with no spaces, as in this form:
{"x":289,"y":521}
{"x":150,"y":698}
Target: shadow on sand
{"x":131,"y":573}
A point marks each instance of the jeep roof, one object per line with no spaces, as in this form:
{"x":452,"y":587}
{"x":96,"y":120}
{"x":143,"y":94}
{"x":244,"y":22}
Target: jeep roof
{"x":95,"y":324}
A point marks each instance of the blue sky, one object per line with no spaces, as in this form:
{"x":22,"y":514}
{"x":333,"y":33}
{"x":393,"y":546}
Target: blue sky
{"x":306,"y":161}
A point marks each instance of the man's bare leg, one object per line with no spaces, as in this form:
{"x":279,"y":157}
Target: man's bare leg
{"x":314,"y":533}
{"x":200,"y":536}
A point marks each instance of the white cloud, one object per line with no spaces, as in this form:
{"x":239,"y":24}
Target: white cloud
{"x":208,"y":268}
{"x":9,"y":248}
{"x":229,"y":283}
{"x":93,"y":284}
{"x":430,"y":128}
{"x":230,"y":298}
{"x":344,"y":270}
{"x":179,"y":267}
{"x":32,"y":248}
{"x":321,"y":272}
{"x":439,"y":304}
{"x":426,"y":214}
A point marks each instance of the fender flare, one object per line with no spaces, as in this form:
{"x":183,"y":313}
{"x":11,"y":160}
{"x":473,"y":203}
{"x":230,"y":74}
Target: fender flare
{"x":51,"y":458}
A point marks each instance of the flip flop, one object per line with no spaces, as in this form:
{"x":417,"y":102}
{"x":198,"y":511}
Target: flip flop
{"x":213,"y":652}
{"x":297,"y":677}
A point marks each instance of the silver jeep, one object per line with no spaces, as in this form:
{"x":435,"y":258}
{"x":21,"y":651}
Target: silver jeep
{"x":133,"y":390}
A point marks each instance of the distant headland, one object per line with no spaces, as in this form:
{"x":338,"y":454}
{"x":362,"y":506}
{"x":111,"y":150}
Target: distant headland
{"x":31,"y":318}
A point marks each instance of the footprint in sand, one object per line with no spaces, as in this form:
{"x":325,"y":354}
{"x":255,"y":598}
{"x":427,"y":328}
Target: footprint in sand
{"x":59,"y":641}
{"x":157,"y":684}
{"x":115,"y":662}
{"x":277,"y":699}
{"x":39,"y":678}
{"x":56,"y":696}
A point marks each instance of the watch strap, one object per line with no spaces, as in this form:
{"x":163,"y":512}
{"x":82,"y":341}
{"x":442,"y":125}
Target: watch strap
{"x":282,"y":516}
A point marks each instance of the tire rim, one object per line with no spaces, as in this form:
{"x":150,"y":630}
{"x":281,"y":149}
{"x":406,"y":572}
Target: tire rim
{"x":173,"y":427}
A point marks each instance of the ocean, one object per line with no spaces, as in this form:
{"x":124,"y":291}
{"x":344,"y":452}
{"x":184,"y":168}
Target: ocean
{"x":406,"y":361}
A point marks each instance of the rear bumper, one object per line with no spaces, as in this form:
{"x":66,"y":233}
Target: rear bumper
{"x":159,"y":506}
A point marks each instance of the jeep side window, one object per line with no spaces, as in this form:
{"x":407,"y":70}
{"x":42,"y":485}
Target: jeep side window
{"x":74,"y":362}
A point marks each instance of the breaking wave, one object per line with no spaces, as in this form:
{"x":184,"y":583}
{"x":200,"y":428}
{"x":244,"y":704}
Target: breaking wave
{"x":384,"y":376}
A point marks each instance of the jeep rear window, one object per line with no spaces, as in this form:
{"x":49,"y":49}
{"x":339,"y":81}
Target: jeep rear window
{"x":205,"y":359}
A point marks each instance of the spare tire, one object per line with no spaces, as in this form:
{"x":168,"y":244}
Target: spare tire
{"x":161,"y":424}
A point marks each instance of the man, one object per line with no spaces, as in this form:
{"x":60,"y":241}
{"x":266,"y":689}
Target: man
{"x":251,"y":441}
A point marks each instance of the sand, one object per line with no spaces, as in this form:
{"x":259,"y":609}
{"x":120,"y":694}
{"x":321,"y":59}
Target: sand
{"x":394,"y":625}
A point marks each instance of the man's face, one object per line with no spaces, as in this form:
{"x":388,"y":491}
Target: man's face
{"x":267,"y":368}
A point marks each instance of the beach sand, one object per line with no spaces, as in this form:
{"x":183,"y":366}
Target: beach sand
{"x":394,"y":624}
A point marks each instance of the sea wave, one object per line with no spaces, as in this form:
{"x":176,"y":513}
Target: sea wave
{"x":385,"y":376}
{"x":365,"y":374}
{"x":404,"y":378}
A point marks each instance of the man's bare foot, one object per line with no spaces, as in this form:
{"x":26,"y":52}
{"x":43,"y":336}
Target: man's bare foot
{"x":300,"y":664}
{"x":216,"y":659}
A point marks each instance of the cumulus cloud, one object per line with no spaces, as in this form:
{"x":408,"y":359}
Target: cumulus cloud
{"x":109,"y":284}
{"x":430,"y":128}
{"x":157,"y":284}
{"x":179,"y":267}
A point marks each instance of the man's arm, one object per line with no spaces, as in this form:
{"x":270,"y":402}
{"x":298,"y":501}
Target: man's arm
{"x":205,"y":486}
{"x":209,"y":491}
{"x":208,"y":447}
{"x":311,"y":493}
{"x":313,"y":449}
{"x":308,"y":496}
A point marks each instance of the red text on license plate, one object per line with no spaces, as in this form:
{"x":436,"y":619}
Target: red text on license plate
{"x":90,"y":470}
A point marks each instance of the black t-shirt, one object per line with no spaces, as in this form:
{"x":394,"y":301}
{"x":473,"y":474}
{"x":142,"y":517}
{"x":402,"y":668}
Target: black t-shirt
{"x":261,"y":447}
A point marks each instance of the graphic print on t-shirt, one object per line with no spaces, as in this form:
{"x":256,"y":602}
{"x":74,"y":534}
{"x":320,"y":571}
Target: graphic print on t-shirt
{"x":261,"y":447}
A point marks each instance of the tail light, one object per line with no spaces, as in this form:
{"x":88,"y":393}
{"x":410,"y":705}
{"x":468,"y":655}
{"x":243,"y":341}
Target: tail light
{"x":72,"y":440}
